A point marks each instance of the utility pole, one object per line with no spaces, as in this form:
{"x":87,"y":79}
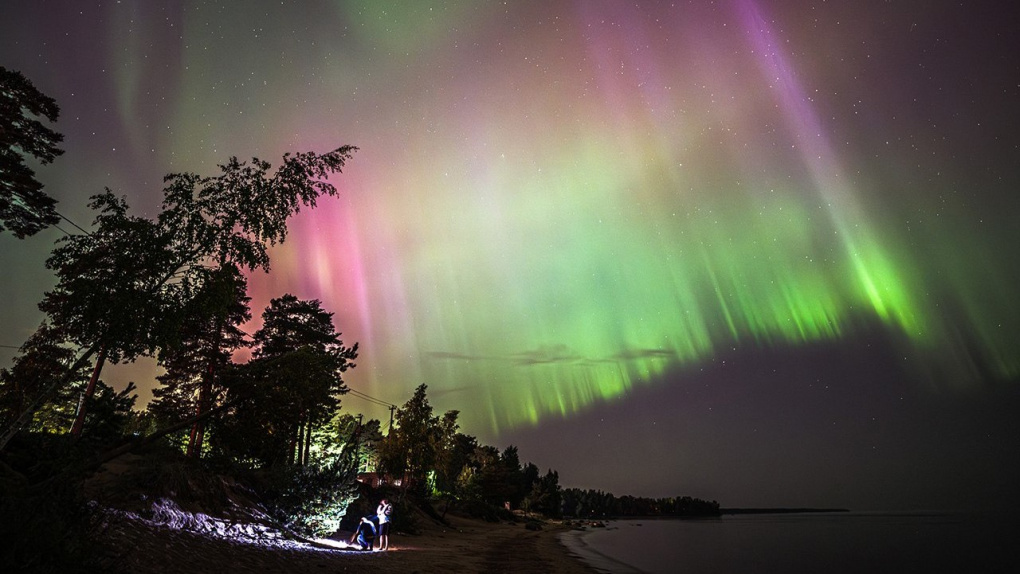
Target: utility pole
{"x":357,"y":444}
{"x":392,"y":408}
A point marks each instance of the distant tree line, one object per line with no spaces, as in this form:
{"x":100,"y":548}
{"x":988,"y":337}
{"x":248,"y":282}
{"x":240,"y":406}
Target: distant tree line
{"x":598,"y":504}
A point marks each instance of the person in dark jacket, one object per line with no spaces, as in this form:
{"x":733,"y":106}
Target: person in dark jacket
{"x":364,"y":536}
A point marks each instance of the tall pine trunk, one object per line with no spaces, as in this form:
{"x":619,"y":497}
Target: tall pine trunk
{"x":295,"y":446}
{"x":198,"y":429}
{"x":90,"y":390}
{"x":308,"y":440}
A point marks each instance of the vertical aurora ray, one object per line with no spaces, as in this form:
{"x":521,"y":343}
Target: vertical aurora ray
{"x":880,"y":281}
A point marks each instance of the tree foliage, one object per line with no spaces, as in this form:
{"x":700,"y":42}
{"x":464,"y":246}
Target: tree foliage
{"x":209,"y":334}
{"x":419,"y":443}
{"x":289,"y":324}
{"x":313,"y":499}
{"x":545,"y":495}
{"x":42,"y":360}
{"x":24,"y":207}
{"x":238,"y":214}
{"x":291,"y":386}
{"x":347,"y":431}
{"x":124,"y":289}
{"x":112,"y":284}
{"x":483,"y":479}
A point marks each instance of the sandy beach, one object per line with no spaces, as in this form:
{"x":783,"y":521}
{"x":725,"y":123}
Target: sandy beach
{"x":464,"y":546}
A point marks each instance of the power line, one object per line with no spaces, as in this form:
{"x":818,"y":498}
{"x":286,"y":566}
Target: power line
{"x":67,"y":219}
{"x":366,"y":399}
{"x":369,"y":398}
{"x":60,"y":215}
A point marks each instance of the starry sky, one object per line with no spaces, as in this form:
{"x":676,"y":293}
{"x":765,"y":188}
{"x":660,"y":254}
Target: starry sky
{"x":748,"y":250}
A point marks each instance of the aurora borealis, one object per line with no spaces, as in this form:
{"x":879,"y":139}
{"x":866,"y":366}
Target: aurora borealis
{"x":559,"y":206}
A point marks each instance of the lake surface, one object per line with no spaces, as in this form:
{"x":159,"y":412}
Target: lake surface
{"x":846,"y":542}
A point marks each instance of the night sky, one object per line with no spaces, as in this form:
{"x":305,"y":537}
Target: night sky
{"x":755,"y":251}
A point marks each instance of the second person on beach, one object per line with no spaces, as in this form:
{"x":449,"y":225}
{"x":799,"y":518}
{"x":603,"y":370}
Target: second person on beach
{"x":384,"y":511}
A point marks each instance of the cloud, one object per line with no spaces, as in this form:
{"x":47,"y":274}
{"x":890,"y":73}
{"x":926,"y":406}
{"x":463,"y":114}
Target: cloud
{"x":456,"y":356}
{"x":635,"y":354}
{"x":556,"y":354}
{"x":547,"y":354}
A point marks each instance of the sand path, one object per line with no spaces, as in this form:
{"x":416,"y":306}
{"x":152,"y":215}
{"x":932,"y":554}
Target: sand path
{"x":464,"y":546}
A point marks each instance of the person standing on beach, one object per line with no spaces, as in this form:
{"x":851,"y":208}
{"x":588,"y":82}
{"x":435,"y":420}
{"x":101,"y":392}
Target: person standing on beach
{"x":384,"y":511}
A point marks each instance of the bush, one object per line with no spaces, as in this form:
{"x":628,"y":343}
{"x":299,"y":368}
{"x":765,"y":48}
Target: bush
{"x":311,"y":500}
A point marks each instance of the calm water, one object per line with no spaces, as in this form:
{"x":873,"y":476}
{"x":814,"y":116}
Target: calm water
{"x":795,"y":543}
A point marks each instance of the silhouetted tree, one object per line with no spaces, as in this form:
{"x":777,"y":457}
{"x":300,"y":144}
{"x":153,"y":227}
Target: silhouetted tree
{"x":489,"y":480}
{"x":529,"y":477}
{"x":269,"y":398}
{"x":452,"y":465}
{"x":291,"y":386}
{"x":44,"y":359}
{"x":545,"y":495}
{"x":514,"y":476}
{"x":208,"y":337}
{"x":111,"y":413}
{"x":599,"y":504}
{"x":290,"y":325}
{"x":445,"y":441}
{"x":24,"y":208}
{"x":113,"y":283}
{"x":344,"y":432}
{"x":407,"y":451}
{"x":418,"y":443}
{"x":109,"y":298}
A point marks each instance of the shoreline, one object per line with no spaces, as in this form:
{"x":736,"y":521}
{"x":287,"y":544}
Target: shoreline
{"x":465,"y":546}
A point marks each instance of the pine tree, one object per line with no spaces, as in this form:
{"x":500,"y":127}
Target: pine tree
{"x":291,"y":386}
{"x":209,"y":335}
{"x":24,"y":207}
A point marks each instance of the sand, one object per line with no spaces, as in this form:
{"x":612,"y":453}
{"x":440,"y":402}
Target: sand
{"x":464,"y":546}
{"x":139,"y":546}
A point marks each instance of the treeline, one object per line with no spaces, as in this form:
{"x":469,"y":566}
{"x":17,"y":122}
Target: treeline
{"x":428,"y":456}
{"x":598,"y":504}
